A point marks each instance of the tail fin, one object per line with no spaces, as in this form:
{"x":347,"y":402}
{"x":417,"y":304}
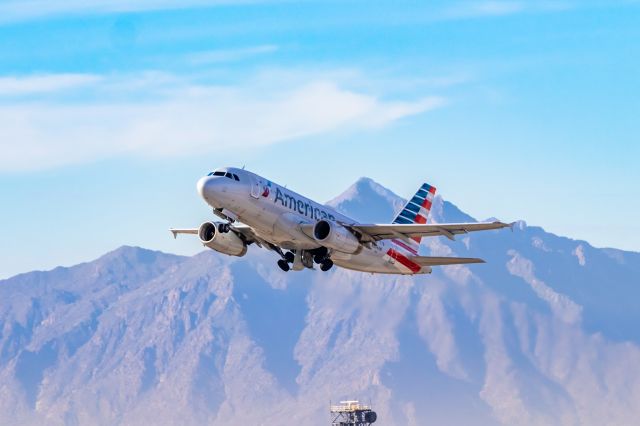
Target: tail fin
{"x":417,"y":208}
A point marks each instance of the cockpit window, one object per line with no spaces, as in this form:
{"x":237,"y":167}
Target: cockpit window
{"x":225,"y":174}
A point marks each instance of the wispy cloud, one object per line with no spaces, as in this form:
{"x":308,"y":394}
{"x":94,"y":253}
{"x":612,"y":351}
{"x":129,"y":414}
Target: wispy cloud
{"x":229,"y":55}
{"x":181,"y":118}
{"x":494,"y":8}
{"x":484,"y":8}
{"x":19,"y":10}
{"x":39,"y":84}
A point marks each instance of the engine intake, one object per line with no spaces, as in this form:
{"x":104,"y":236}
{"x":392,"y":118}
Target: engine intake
{"x":322,"y":230}
{"x":336,"y":237}
{"x":223,"y":242}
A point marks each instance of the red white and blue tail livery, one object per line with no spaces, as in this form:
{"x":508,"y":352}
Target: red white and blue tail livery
{"x":304,"y":233}
{"x":415,"y":211}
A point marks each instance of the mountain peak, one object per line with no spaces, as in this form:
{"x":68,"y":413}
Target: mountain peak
{"x":362,"y":188}
{"x":139,"y":254}
{"x":368,"y":201}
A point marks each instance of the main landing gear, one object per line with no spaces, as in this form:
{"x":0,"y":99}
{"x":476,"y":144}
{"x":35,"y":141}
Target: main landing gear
{"x":287,"y":258}
{"x":284,"y":265}
{"x":326,"y":265}
{"x":321,"y":257}
{"x":305,"y":259}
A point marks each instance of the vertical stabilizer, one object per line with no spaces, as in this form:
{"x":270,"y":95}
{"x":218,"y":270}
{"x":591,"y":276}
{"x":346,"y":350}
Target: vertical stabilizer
{"x":417,"y":211}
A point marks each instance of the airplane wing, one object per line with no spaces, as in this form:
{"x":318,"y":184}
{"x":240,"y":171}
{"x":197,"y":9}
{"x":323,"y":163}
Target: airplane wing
{"x":376,"y":232}
{"x":176,"y":231}
{"x":440,"y":261}
{"x":249,"y":234}
{"x":239,"y":228}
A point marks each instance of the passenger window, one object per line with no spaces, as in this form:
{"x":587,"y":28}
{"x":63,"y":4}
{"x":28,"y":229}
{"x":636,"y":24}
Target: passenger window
{"x":235,"y":176}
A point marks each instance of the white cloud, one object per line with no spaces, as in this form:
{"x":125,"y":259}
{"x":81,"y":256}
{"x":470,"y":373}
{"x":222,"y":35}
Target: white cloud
{"x":22,"y":10}
{"x":485,"y":8}
{"x":229,"y":55}
{"x":181,"y":118}
{"x":39,"y":84}
{"x":18,"y":10}
{"x":491,"y":8}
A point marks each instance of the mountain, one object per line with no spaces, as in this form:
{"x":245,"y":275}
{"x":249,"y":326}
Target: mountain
{"x":545,"y":333}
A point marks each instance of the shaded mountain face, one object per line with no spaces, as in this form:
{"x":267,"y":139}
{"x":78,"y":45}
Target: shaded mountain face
{"x":545,"y":333}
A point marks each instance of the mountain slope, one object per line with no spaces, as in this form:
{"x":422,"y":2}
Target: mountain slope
{"x":544,"y":333}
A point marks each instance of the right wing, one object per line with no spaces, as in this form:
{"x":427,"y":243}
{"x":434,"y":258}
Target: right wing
{"x":440,"y":261}
{"x":376,"y":232}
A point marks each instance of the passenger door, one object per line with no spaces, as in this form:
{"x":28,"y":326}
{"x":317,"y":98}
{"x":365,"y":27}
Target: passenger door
{"x":256,"y":187}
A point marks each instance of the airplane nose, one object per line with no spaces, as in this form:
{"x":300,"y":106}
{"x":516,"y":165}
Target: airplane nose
{"x":204,"y":186}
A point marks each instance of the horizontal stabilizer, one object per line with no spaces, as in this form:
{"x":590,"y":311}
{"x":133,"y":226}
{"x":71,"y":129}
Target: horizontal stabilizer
{"x":441,"y":261}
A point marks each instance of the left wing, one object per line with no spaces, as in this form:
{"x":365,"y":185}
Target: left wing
{"x":376,"y":232}
{"x":176,"y":231}
{"x":241,"y":229}
{"x":249,"y":234}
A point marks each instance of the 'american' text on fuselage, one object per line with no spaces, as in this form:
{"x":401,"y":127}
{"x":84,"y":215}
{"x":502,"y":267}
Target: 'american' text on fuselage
{"x":303,"y":207}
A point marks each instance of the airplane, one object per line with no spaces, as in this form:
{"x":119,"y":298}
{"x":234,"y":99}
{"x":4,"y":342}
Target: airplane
{"x":255,"y":210}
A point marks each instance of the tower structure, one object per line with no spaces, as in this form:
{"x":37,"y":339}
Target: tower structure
{"x":352,"y":413}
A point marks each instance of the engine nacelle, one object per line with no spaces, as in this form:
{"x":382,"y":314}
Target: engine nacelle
{"x":223,"y":242}
{"x":336,"y":237}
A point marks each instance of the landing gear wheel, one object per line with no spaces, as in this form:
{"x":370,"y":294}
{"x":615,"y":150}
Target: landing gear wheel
{"x":289,"y":257}
{"x":319,"y":259}
{"x":326,"y":265}
{"x":283,"y":264}
{"x":224,"y":228}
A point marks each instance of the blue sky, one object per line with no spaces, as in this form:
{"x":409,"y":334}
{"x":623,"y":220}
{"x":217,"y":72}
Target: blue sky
{"x":110,"y":112}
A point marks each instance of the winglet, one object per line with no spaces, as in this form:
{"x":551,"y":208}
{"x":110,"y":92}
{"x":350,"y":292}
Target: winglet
{"x":174,"y":232}
{"x":505,"y":225}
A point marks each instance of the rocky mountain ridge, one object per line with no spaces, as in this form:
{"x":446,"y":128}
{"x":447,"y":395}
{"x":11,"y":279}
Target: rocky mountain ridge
{"x":544,"y":333}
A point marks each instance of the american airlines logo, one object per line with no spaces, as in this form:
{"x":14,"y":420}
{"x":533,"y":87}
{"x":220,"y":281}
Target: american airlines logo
{"x":303,"y":207}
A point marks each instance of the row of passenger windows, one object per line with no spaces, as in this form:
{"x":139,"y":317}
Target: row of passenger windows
{"x":225,"y":174}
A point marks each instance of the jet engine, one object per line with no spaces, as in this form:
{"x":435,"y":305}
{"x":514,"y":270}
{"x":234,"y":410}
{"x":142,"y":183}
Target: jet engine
{"x":223,"y":242}
{"x":336,"y":237}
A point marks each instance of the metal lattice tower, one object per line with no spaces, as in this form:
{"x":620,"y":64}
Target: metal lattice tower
{"x":352,"y":413}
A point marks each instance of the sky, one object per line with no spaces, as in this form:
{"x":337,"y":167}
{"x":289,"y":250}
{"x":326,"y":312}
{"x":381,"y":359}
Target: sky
{"x":111,"y":110}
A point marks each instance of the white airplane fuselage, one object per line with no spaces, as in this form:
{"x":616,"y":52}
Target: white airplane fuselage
{"x":281,"y":216}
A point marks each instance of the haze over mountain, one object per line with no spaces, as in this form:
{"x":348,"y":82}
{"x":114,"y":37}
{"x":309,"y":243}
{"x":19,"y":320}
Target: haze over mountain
{"x":545,"y":333}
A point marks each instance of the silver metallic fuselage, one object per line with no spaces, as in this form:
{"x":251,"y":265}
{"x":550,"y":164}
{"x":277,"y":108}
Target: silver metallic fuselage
{"x":277,"y":214}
